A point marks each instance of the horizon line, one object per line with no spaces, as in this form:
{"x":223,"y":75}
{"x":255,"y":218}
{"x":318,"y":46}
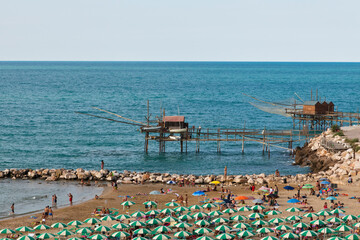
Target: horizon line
{"x":200,"y":61}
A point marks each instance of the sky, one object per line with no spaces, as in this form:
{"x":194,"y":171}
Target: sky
{"x":180,"y":30}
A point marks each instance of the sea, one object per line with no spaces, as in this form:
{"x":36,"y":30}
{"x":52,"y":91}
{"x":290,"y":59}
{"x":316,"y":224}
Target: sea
{"x":40,"y":129}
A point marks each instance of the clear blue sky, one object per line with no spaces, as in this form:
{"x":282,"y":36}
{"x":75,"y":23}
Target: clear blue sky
{"x":180,"y":30}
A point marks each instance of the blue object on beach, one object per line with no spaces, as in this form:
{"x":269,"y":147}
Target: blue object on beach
{"x":289,"y":188}
{"x":154,"y":193}
{"x":331,"y":198}
{"x":325,"y":182}
{"x":258,"y":201}
{"x":323,"y":179}
{"x":293,"y":200}
{"x":198,"y":193}
{"x":171,"y":182}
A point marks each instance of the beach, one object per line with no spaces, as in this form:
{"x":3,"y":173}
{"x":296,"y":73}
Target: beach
{"x":140,"y":193}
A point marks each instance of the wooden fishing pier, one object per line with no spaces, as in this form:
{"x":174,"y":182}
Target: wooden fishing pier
{"x":311,"y":117}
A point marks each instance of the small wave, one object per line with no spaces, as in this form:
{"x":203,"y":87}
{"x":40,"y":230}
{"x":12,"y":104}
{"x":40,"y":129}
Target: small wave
{"x":35,"y":197}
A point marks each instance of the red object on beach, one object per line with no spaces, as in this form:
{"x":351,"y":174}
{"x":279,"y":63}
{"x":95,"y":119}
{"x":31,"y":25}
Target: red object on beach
{"x":241,"y":198}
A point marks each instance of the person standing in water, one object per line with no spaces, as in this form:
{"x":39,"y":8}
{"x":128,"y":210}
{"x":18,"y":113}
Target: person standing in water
{"x":13,"y":208}
{"x":102,"y":164}
{"x":70,"y":198}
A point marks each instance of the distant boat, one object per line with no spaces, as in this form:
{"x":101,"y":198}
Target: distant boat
{"x":176,"y":138}
{"x":179,"y":130}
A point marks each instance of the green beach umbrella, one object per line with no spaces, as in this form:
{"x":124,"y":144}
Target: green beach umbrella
{"x":350,"y":218}
{"x":352,"y":237}
{"x":202,"y":223}
{"x":181,"y":209}
{"x":337,"y":211}
{"x":154,"y":221}
{"x":326,"y":230}
{"x":172,"y":204}
{"x":220,"y":220}
{"x":169,"y":219}
{"x":84,"y":231}
{"x":102,"y":228}
{"x":24,"y":229}
{"x":244,"y":209}
{"x":283,"y":228}
{"x":137,"y":224}
{"x":182,"y":234}
{"x":142,"y":231}
{"x":223,"y":228}
{"x":244,"y":234}
{"x":161,"y":237}
{"x":120,"y":235}
{"x":343,"y":228}
{"x":65,"y":232}
{"x":183,"y":225}
{"x":76,"y":238}
{"x":108,"y":218}
{"x":162,"y":229}
{"x":238,"y":218}
{"x":185,"y":217}
{"x":289,"y":236}
{"x":127,"y":203}
{"x":98,"y":237}
{"x":75,"y":223}
{"x":41,"y":227}
{"x":202,"y":231}
{"x":195,"y":207}
{"x":92,"y":220}
{"x":25,"y":238}
{"x":308,"y":233}
{"x":138,"y":214}
{"x":6,"y":231}
{"x":293,"y":209}
{"x":152,"y":213}
{"x":139,"y":238}
{"x":301,"y":225}
{"x":257,"y":208}
{"x":215,"y":213}
{"x":167,"y":211}
{"x":241,"y":225}
{"x":269,"y":238}
{"x":208,"y":205}
{"x":230,"y":211}
{"x":264,"y":230}
{"x":122,"y":217}
{"x":59,"y":225}
{"x":310,"y":215}
{"x":293,"y":218}
{"x":204,"y":238}
{"x":199,"y":215}
{"x":259,"y":222}
{"x":225,"y":236}
{"x":46,"y":236}
{"x":272,"y":213}
{"x":335,"y":238}
{"x":357,"y":225}
{"x":334,"y":220}
{"x":6,"y":239}
{"x":324,"y":213}
{"x":318,"y":222}
{"x":150,"y":203}
{"x":120,"y":226}
{"x":256,"y":215}
{"x":276,"y":220}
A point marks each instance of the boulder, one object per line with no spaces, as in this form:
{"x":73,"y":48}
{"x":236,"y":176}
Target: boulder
{"x":70,"y":176}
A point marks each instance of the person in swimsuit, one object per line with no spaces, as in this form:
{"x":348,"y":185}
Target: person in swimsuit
{"x":70,"y":198}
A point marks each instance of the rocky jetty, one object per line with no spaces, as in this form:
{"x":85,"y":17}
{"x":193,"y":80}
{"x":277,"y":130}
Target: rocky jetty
{"x":331,"y":154}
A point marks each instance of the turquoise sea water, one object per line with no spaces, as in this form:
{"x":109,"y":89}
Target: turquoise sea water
{"x":38,"y":126}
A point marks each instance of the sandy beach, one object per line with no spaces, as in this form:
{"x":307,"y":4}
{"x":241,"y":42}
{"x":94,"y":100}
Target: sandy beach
{"x":139,"y":193}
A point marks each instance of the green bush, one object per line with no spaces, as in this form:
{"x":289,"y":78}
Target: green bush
{"x":339,"y":133}
{"x":335,"y":128}
{"x":351,"y":141}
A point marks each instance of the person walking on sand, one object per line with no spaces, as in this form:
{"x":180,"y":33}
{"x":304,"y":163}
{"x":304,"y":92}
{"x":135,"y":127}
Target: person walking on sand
{"x":13,"y":208}
{"x":102,"y":164}
{"x":70,"y":198}
{"x":51,"y":213}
